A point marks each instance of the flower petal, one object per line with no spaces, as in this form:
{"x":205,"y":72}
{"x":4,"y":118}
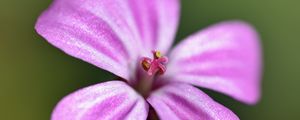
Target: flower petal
{"x":224,"y":57}
{"x":109,"y":100}
{"x":157,"y":22}
{"x":102,"y":32}
{"x":179,"y":101}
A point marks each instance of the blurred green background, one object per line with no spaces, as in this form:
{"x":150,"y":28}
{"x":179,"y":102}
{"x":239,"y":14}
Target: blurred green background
{"x":34,"y":75}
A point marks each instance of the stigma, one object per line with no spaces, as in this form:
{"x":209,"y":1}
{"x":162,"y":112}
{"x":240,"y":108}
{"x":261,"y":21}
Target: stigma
{"x":156,"y":65}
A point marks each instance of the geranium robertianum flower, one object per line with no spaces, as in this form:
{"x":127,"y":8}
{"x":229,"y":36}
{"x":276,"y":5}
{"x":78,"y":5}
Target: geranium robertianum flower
{"x":131,"y":38}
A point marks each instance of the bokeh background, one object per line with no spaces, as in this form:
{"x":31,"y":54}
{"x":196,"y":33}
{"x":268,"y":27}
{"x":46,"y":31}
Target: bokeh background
{"x":34,"y":75}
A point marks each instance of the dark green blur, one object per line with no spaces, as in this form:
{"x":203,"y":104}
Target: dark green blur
{"x":34,"y":75}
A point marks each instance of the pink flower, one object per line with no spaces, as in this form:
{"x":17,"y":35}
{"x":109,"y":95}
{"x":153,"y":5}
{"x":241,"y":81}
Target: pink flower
{"x":131,"y":38}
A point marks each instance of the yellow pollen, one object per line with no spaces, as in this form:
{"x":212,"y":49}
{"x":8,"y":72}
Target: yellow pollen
{"x":157,"y":54}
{"x":146,"y":65}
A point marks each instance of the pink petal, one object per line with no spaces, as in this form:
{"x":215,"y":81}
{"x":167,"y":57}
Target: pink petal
{"x":103,"y":32}
{"x":109,"y":100}
{"x":179,"y":101}
{"x":156,"y":22}
{"x":224,"y":57}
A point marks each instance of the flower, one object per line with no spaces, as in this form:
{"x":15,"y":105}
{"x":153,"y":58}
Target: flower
{"x":131,"y":39}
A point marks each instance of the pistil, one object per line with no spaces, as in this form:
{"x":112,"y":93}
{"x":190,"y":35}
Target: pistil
{"x":155,"y":65}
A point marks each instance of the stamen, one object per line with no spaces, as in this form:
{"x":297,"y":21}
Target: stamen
{"x":155,"y":65}
{"x":156,"y":54}
{"x":146,"y":63}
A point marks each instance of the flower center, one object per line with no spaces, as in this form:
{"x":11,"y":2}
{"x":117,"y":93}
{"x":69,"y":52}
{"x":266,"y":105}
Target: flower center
{"x":151,"y":69}
{"x":155,"y":65}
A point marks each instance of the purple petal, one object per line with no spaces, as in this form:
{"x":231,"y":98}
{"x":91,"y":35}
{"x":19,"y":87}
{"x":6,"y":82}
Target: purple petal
{"x":179,"y":101}
{"x":102,"y":32}
{"x":109,"y":100}
{"x":156,"y":22}
{"x":224,"y":57}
